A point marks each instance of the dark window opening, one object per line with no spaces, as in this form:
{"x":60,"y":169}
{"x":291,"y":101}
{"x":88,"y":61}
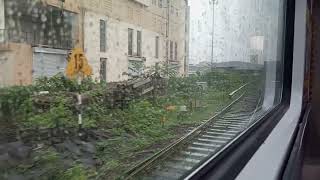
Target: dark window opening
{"x":103,"y":69}
{"x":138,"y":43}
{"x":130,"y":42}
{"x":175,"y":51}
{"x":103,"y":36}
{"x":171,"y":50}
{"x":157,"y":47}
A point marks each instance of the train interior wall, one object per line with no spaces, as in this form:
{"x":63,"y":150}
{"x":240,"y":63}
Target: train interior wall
{"x":311,"y":145}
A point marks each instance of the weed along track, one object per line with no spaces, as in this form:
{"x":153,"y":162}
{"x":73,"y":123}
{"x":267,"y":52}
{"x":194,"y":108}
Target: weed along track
{"x":40,"y":136}
{"x":184,"y":156}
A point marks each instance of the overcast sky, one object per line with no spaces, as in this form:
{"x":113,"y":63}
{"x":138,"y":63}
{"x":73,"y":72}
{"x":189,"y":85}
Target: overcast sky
{"x":237,"y":26}
{"x":200,"y":30}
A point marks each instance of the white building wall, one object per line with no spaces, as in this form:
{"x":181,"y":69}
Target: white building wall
{"x":117,"y":46}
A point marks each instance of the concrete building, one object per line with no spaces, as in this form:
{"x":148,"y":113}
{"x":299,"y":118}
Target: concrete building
{"x":124,"y":36}
{"x":119,"y":37}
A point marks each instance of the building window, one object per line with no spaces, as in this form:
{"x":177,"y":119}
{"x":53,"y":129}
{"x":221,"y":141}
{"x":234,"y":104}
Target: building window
{"x":103,"y":38}
{"x":130,"y":41}
{"x":171,"y":50}
{"x":176,"y":51}
{"x":154,"y":2}
{"x":172,"y":10}
{"x":157,"y":47}
{"x":103,"y":69}
{"x":160,"y":3}
{"x":167,"y":49}
{"x":138,"y":43}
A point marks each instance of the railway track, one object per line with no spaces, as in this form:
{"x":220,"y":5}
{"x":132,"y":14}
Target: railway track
{"x":181,"y":158}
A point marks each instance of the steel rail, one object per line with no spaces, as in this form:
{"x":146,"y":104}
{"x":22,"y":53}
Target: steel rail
{"x":258,"y":107}
{"x":250,"y":126}
{"x":237,"y":90}
{"x":182,"y":141}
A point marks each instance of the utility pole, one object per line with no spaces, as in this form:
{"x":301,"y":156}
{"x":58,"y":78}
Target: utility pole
{"x":212,"y":39}
{"x":168,"y":18}
{"x":167,"y":36}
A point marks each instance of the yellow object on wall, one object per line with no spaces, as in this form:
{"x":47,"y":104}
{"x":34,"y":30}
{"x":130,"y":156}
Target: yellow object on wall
{"x":78,"y":64}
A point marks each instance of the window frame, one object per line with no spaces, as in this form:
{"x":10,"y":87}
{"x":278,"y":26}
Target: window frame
{"x":229,"y":162}
{"x":103,"y":35}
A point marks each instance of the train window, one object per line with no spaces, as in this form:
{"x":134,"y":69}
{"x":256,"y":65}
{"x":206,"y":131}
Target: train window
{"x":218,"y":70}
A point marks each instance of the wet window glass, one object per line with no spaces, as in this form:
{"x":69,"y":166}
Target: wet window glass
{"x":39,"y":25}
{"x":132,"y":89}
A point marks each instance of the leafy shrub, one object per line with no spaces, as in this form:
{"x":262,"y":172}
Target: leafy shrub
{"x":60,"y":83}
{"x":142,"y":115}
{"x":59,"y":114}
{"x":15,"y":101}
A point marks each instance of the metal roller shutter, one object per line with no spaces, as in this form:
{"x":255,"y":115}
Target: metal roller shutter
{"x":48,"y":62}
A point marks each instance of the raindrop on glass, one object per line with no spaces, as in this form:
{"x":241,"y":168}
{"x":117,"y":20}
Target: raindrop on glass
{"x":58,"y":20}
{"x":43,"y":18}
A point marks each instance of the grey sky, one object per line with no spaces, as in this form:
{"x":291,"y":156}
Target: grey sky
{"x":237,"y":24}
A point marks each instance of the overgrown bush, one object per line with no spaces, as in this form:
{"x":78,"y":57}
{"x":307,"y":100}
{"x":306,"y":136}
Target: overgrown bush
{"x":17,"y":103}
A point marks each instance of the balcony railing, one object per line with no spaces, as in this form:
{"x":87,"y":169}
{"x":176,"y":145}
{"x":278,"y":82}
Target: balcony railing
{"x":34,"y":39}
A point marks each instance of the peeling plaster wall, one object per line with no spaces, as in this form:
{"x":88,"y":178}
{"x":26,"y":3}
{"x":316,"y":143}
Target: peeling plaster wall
{"x":16,"y":65}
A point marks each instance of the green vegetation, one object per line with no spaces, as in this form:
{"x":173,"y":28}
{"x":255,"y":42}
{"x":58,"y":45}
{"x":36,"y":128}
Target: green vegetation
{"x":136,"y":132}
